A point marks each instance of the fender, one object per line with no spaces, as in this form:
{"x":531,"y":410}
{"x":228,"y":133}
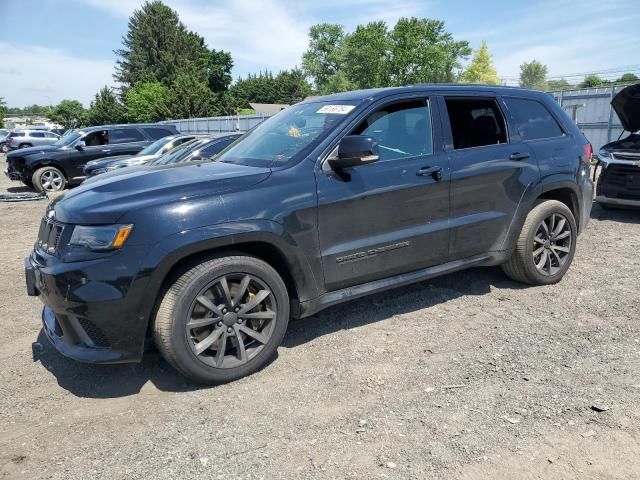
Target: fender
{"x":173,"y":249}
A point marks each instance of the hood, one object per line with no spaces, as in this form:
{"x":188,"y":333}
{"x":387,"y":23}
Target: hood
{"x":109,"y":197}
{"x":627,"y":105}
{"x":32,"y":151}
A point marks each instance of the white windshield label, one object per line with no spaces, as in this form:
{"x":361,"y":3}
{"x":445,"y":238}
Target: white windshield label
{"x":336,"y":109}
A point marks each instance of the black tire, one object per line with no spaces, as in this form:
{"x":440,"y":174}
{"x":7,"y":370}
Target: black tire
{"x":25,"y":145}
{"x":521,"y":266}
{"x":48,"y":179}
{"x":176,"y":341}
{"x":4,"y":148}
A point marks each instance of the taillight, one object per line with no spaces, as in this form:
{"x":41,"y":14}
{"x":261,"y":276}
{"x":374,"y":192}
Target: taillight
{"x":9,"y":139}
{"x":587,"y":153}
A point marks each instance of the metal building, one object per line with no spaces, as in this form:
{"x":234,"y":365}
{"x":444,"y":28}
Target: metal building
{"x":591,"y":109}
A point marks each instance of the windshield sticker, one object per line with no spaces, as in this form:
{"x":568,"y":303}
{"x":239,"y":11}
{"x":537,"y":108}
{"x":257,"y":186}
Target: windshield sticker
{"x":336,"y":109}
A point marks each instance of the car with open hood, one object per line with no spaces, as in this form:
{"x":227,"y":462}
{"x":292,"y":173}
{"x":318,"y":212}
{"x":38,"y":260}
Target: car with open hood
{"x":619,"y":181}
{"x":329,"y":200}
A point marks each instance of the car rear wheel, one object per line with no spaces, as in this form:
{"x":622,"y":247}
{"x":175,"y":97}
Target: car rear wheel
{"x":4,"y":148}
{"x":546,"y":245}
{"x":222,"y":319}
{"x":48,"y":179}
{"x":25,"y":145}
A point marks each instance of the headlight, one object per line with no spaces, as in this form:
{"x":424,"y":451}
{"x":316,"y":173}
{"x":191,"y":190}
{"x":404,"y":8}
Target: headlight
{"x":100,"y":238}
{"x":604,"y":156}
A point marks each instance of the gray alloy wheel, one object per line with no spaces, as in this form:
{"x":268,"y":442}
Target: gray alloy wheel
{"x":552,"y":244}
{"x":545,"y":247}
{"x":231,"y":320}
{"x":4,"y":148}
{"x":25,"y":145}
{"x":48,"y":179}
{"x":222,"y":318}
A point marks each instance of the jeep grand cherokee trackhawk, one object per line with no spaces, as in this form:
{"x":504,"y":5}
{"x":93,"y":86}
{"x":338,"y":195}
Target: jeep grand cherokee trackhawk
{"x":329,"y":200}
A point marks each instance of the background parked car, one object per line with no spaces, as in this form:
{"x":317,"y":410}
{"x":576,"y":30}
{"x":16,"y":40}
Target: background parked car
{"x":25,"y":138}
{"x":51,"y":167}
{"x":198,"y":149}
{"x":3,"y":140}
{"x":147,"y":154}
{"x":619,"y":181}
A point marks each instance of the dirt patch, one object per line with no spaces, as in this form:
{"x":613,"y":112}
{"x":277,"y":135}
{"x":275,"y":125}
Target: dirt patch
{"x":469,"y":376}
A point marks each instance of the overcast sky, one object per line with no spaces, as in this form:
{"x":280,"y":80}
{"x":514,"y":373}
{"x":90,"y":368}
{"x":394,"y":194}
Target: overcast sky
{"x":55,"y":49}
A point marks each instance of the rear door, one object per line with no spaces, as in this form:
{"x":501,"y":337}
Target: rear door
{"x":490,"y":172}
{"x":125,"y":141}
{"x":390,"y":216}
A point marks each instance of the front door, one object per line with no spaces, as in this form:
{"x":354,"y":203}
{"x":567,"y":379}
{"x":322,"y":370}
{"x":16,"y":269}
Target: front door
{"x":489,"y":174}
{"x":390,"y":216}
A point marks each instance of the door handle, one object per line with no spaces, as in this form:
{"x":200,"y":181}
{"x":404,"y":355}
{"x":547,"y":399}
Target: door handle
{"x":435,"y":172}
{"x":519,"y":156}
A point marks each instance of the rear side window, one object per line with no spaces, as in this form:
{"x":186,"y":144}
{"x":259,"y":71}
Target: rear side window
{"x":37,"y":134}
{"x":403,"y":129}
{"x":156,"y":133}
{"x":532,"y":119}
{"x":125,"y":135}
{"x":475,"y":122}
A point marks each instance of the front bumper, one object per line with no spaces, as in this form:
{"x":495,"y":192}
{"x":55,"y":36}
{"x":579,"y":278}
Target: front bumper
{"x":94,"y":311}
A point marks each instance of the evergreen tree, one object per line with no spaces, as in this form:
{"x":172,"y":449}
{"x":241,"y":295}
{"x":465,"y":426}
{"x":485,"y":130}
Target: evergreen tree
{"x":105,"y":109}
{"x":481,"y":69}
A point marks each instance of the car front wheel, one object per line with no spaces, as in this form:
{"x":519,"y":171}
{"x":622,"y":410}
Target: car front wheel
{"x":48,"y":179}
{"x":546,"y":245}
{"x":222,"y":319}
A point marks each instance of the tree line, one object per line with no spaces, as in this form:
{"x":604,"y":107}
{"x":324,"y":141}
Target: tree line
{"x":166,"y":71}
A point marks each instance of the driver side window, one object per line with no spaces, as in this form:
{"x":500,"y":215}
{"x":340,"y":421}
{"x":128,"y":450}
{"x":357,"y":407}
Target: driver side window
{"x":402,"y":129}
{"x":96,"y":139}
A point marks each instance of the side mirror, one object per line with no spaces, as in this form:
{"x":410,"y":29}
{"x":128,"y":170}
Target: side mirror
{"x":80,"y":145}
{"x":355,"y":150}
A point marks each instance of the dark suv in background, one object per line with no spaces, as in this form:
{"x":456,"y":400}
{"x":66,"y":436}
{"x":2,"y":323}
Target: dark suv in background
{"x":329,"y":200}
{"x":50,"y":168}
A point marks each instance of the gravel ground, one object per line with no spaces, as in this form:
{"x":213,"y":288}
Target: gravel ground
{"x":467,"y":376}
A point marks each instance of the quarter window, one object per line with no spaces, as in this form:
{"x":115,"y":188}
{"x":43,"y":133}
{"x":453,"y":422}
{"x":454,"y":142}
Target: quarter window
{"x":532,"y":119}
{"x":402,"y":129}
{"x":475,"y":122}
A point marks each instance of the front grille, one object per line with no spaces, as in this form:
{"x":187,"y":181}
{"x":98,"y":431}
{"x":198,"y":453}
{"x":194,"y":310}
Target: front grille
{"x":94,"y":333}
{"x":49,"y":235}
{"x":620,"y":181}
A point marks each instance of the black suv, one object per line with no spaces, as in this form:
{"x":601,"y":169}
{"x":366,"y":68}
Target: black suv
{"x":50,"y":168}
{"x":329,"y":200}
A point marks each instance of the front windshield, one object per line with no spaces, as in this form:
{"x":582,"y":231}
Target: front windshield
{"x":68,"y":138}
{"x":156,"y":146}
{"x":184,"y":149}
{"x":292,"y":132}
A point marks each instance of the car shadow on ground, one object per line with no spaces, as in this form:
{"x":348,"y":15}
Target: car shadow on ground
{"x":615,"y":214}
{"x":154,"y":374}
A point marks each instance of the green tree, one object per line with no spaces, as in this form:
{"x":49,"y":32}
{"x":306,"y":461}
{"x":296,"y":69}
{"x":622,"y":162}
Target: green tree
{"x":147,"y":102}
{"x":3,"y":109}
{"x":423,"y":52}
{"x":366,"y":53}
{"x":533,"y":75}
{"x":561,"y":84}
{"x":628,"y":78}
{"x":593,"y":81}
{"x":324,"y":57}
{"x":190,"y":97}
{"x":481,"y":69}
{"x":219,"y":70}
{"x":105,"y":109}
{"x":158,"y":47}
{"x":291,"y":86}
{"x":69,"y":114}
